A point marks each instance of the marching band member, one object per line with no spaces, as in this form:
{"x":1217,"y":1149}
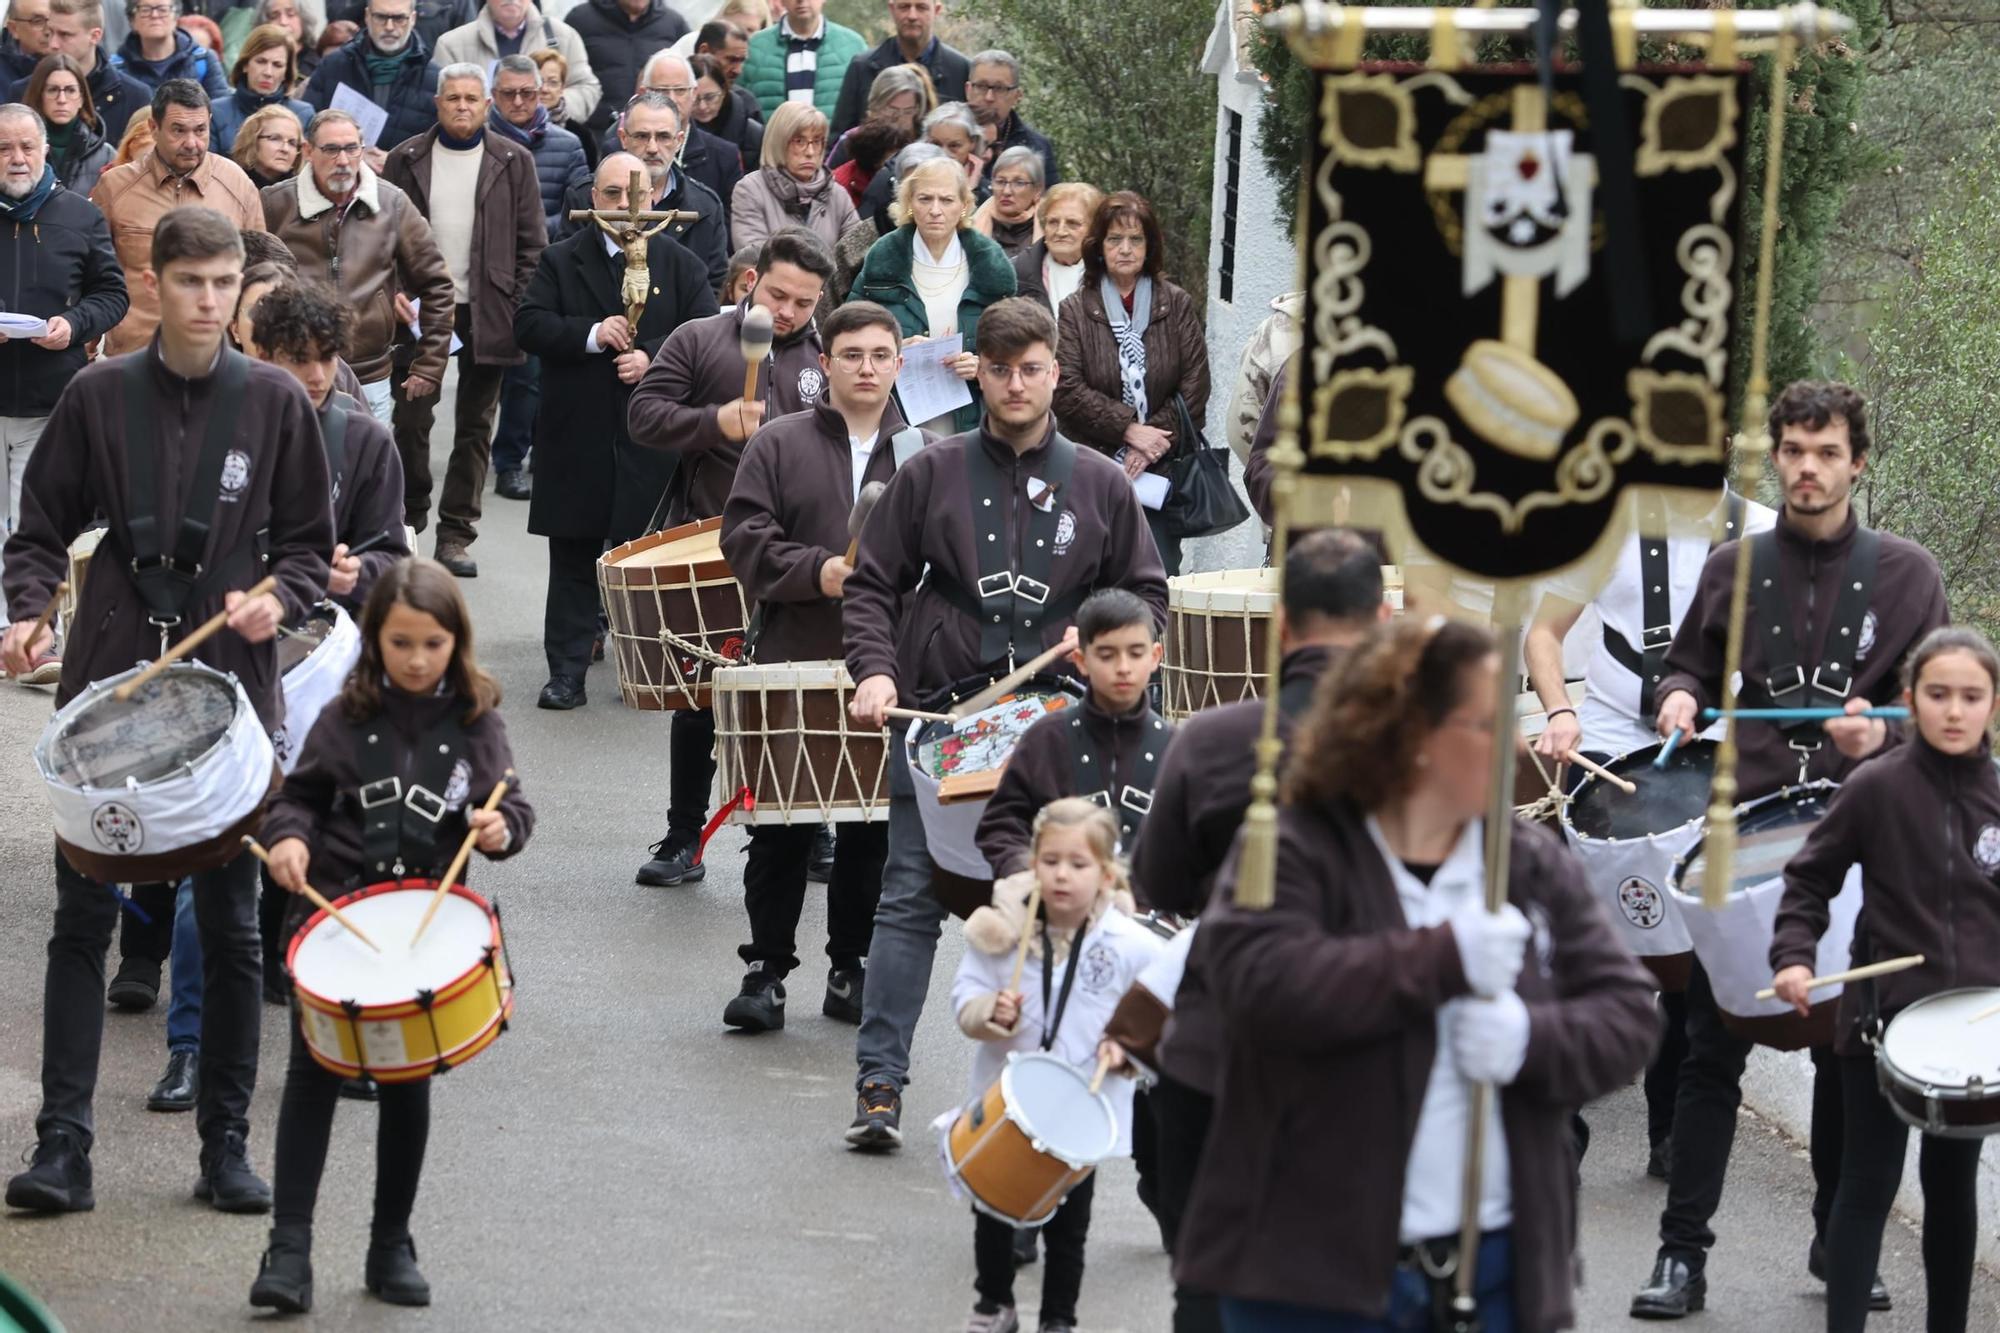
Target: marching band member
{"x":1379,"y":968}
{"x":785,"y":535}
{"x":1084,"y":949}
{"x":419,"y":688}
{"x":239,"y":439}
{"x":977,"y":556}
{"x":1834,"y":608}
{"x":691,"y":401}
{"x":1925,"y":895}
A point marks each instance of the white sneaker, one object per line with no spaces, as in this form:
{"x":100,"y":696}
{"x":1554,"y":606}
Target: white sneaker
{"x":1002,"y":1320}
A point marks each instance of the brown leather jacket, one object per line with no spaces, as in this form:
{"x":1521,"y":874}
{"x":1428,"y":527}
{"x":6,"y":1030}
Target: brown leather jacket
{"x":379,"y":245}
{"x":1089,"y":406}
{"x":507,"y":243}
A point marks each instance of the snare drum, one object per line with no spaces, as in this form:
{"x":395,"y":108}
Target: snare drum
{"x":676,"y":613}
{"x":314,"y":658}
{"x":1734,"y":942}
{"x":1939,"y":1070}
{"x":1030,"y":1139}
{"x":402,"y":1014}
{"x":161,"y":785}
{"x":1628,"y":845}
{"x":782,"y":732}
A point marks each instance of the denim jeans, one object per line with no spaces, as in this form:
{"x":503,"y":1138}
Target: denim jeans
{"x":184,"y":999}
{"x":1409,"y":1302}
{"x":908,"y":920}
{"x":520,"y":396}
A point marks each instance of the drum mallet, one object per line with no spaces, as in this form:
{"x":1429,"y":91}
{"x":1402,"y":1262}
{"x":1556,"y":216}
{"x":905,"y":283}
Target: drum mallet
{"x":754,"y":341}
{"x":368,"y":544}
{"x":1881,"y":969}
{"x":1667,"y":750}
{"x":1983,"y":1014}
{"x":1887,"y":714}
{"x":48,"y":612}
{"x":269,"y":583}
{"x":1592,"y":766}
{"x":987,"y":697}
{"x":857,"y":518}
{"x":313,"y":896}
{"x":916,"y":715}
{"x":451,"y":874}
{"x":1021,"y":949}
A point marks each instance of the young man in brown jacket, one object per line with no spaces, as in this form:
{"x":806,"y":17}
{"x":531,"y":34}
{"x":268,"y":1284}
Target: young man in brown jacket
{"x":1038,"y":523}
{"x":240,"y":438}
{"x":785,"y":534}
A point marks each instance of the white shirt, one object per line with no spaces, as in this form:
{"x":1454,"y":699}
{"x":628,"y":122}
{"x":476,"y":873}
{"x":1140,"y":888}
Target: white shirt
{"x":454,"y":201}
{"x":859,"y":450}
{"x":1062,"y":280}
{"x":942,"y":287}
{"x":612,"y":248}
{"x":1609,"y":715}
{"x":1433,"y":1178}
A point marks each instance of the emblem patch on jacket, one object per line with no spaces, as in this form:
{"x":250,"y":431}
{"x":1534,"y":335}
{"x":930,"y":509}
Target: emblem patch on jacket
{"x":1866,"y":644}
{"x":458,"y":786}
{"x":811,"y":384}
{"x":1641,"y":903}
{"x":1098,"y":969}
{"x":235,"y":473}
{"x":1065,"y":531}
{"x":1987,"y":850}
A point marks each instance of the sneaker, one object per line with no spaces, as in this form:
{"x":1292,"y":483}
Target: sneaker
{"x":878,"y":1112}
{"x":673,"y":863}
{"x":1057,"y":1326}
{"x":136,"y":988}
{"x":760,"y":1005}
{"x":227,"y":1183}
{"x":999,"y":1319}
{"x":1027,"y":1245}
{"x":362,"y":1089}
{"x":843,"y":994}
{"x":819,"y":866}
{"x":46,"y":669}
{"x":57,"y":1179}
{"x":177,"y":1087}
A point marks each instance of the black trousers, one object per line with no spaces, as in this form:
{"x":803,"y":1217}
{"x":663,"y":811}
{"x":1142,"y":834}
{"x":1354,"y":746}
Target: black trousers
{"x":690,"y":774}
{"x":272,"y":903}
{"x":151,"y":940}
{"x":225,"y":913}
{"x":1711,"y":1090}
{"x":1063,"y":1237}
{"x":305,"y":1126}
{"x":1871,"y":1169}
{"x":774,"y":891}
{"x":471,"y":442}
{"x":569,"y":616}
{"x":1181,"y":1116}
{"x":1663,"y":1075}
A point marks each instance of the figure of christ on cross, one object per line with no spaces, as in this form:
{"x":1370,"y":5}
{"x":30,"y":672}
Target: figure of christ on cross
{"x":625,"y":227}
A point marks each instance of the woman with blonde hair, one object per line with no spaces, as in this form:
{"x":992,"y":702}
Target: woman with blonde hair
{"x":269,"y":145}
{"x":936,"y":274}
{"x":791,"y":187}
{"x":263,"y":75}
{"x":138,"y":137}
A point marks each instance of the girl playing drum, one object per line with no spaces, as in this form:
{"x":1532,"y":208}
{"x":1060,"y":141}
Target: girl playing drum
{"x":1923,"y":822}
{"x":417,"y":688}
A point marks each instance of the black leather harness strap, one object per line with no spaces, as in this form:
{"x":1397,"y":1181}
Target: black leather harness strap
{"x":1010,"y":603}
{"x":1127,"y":794}
{"x":1787,"y":683}
{"x":1648,"y":659}
{"x":399,"y":819}
{"x":333,"y":429}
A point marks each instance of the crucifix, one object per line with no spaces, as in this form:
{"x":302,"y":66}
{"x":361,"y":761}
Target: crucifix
{"x":624,"y":227}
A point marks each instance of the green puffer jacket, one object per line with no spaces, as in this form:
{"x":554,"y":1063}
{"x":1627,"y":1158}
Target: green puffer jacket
{"x":764,"y":69}
{"x":885,"y":279}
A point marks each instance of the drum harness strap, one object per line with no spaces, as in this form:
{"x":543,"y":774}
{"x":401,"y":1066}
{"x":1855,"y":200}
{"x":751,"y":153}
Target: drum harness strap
{"x":1648,"y":659}
{"x":168,"y":583}
{"x":399,"y":821}
{"x":1128,"y":796}
{"x":1785,"y":679}
{"x":1052,"y":1018}
{"x":1008,"y":601}
{"x":333,"y":427}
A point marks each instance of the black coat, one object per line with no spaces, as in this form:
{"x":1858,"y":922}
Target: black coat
{"x":619,"y":47}
{"x":591,"y":481}
{"x":947,"y":66}
{"x":707,"y":237}
{"x":62,"y":263}
{"x":408,"y":100}
{"x":435,"y":18}
{"x":709,"y":158}
{"x":115,"y":94}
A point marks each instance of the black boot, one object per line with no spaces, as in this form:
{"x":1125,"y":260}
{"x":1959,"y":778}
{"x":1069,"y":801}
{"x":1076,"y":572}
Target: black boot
{"x":285,"y":1273}
{"x":136,"y":987}
{"x":58,"y":1180}
{"x":1878,"y":1290}
{"x":227,"y":1183}
{"x":1675,"y":1291}
{"x":177,"y":1087}
{"x":760,"y":1005}
{"x":392,"y":1273}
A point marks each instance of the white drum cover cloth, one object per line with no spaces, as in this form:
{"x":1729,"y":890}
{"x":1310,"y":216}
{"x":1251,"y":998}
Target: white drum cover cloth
{"x":195,"y":798}
{"x":1162,"y":976}
{"x":1629,"y":876}
{"x":313,"y":684}
{"x":948,"y":829}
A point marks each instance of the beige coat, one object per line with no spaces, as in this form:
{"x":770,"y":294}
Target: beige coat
{"x":133,"y":199}
{"x":1270,"y":347}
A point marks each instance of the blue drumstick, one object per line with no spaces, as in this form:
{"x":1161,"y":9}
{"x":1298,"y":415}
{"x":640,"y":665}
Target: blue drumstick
{"x":1887,"y":714}
{"x":1667,"y":750}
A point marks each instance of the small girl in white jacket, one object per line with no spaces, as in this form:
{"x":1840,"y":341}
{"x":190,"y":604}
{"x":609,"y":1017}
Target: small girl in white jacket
{"x":1084,"y":950}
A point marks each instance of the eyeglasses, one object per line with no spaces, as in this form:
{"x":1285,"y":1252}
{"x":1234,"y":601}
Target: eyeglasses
{"x":287,"y":140}
{"x":391,"y":20}
{"x":881,"y":358}
{"x":65,"y":94}
{"x":338,"y":150}
{"x":154,"y":11}
{"x":38,"y":22}
{"x":815,"y":145}
{"x":1009,"y":184}
{"x":670,"y":89}
{"x":517,"y":94}
{"x":991,"y":89}
{"x":708,"y":99}
{"x":1031,"y":372}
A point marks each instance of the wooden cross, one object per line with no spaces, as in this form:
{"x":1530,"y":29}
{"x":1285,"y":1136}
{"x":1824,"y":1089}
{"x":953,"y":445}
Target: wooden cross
{"x":625,"y":227}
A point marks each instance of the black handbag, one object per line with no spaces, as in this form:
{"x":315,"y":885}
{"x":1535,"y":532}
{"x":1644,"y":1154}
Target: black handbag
{"x":1201,"y":499}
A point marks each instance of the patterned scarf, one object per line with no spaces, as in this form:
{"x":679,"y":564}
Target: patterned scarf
{"x":1131,"y":335}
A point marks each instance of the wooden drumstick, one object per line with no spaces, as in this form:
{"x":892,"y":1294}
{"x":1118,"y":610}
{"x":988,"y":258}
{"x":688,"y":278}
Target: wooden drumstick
{"x":864,"y":505}
{"x":1097,"y":1079}
{"x":268,"y":583}
{"x":1021,"y":950}
{"x":1881,"y":969}
{"x":452,"y":872}
{"x":1592,"y":766}
{"x":315,"y":897}
{"x":1006,"y":684}
{"x":754,"y":341}
{"x":1983,"y":1014}
{"x":916,"y":715}
{"x":48,"y":612}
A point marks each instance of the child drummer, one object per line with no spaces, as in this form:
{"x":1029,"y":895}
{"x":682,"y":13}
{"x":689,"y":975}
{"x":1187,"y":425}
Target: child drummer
{"x":1084,"y":950}
{"x":417,"y":716}
{"x":1939,"y":897}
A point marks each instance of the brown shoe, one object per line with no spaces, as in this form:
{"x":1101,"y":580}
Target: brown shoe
{"x":453,"y":557}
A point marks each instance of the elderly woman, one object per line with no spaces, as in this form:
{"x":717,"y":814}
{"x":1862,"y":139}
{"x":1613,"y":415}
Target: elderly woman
{"x":1131,"y":344}
{"x":264,"y":73}
{"x":1377,"y":966}
{"x":792,"y":186}
{"x":723,"y":114}
{"x":1009,"y":215}
{"x":1052,"y":268}
{"x":901,"y":95}
{"x":955,"y":129}
{"x":936,"y":274}
{"x":874,"y":221}
{"x":269,"y":145}
{"x":60,"y":91}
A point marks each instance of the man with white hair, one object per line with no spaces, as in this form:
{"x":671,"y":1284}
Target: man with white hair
{"x":714,"y":161}
{"x":650,"y":130}
{"x":389,"y":63}
{"x":57,"y":264}
{"x":518,"y":28}
{"x":479,"y":191}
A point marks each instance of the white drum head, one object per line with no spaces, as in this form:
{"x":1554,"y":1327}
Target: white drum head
{"x":1054,"y":1106}
{"x":335,"y":966}
{"x":1933,"y":1043}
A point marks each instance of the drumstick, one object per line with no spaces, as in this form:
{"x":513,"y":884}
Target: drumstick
{"x":215,"y":622}
{"x":986,"y":697}
{"x":314,"y":896}
{"x":1097,"y":1079}
{"x":1021,"y":950}
{"x":754,"y":341}
{"x":1804,"y":714}
{"x":371,"y":543}
{"x":1881,"y":969}
{"x":1667,"y":750}
{"x":864,"y":505}
{"x":458,"y":862}
{"x":1983,"y":1014}
{"x":49,"y":610}
{"x":1592,"y":766}
{"x":917,"y":715}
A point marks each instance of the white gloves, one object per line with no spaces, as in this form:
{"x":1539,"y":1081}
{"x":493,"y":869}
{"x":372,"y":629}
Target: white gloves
{"x":1489,"y":1038}
{"x":1491,"y":947}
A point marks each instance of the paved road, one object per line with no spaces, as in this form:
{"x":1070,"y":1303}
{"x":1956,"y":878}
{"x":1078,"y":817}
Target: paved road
{"x":618,"y":1161}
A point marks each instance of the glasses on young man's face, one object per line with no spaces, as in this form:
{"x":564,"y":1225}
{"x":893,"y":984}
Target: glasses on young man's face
{"x":879,"y":357}
{"x":1031,"y":372}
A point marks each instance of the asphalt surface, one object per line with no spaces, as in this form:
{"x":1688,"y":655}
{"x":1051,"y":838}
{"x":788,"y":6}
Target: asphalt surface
{"x":619,"y":1161}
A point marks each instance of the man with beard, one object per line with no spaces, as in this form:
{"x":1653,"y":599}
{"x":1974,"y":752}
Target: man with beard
{"x":388,"y":63}
{"x":479,"y":191}
{"x":715,"y":162}
{"x":177,"y":170}
{"x":596,"y":488}
{"x":76,"y":29}
{"x":691,"y":401}
{"x":651,"y":130}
